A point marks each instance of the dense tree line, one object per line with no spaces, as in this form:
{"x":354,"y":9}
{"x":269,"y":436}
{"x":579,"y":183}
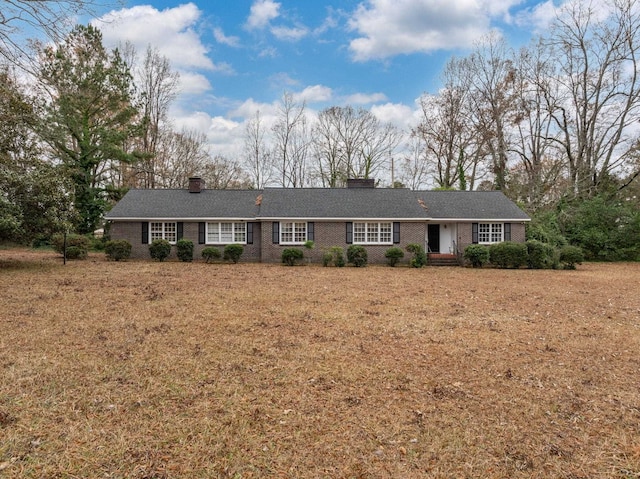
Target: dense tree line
{"x":553,"y":125}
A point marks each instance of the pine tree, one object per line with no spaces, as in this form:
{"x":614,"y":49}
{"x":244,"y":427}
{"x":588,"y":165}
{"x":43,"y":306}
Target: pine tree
{"x":90,"y":116}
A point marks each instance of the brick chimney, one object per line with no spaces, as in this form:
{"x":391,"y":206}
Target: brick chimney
{"x":196,"y":184}
{"x":361,"y":183}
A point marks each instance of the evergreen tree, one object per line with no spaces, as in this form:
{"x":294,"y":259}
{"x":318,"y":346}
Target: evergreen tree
{"x":90,"y":116}
{"x":32,"y":192}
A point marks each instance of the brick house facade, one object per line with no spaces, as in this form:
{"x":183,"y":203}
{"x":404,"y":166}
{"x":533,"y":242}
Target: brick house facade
{"x":267,"y":221}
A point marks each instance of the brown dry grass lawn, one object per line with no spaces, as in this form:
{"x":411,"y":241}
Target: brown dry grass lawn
{"x":171,"y":370}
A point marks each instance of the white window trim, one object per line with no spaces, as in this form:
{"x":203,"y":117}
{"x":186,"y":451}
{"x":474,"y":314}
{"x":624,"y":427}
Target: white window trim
{"x":233,"y":232}
{"x":294,"y":223}
{"x":366,"y":232}
{"x":491,"y":232}
{"x":164,"y":231}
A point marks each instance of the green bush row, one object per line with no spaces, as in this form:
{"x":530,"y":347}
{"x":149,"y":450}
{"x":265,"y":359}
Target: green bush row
{"x":533,"y":254}
{"x":161,"y":249}
{"x":77,"y":246}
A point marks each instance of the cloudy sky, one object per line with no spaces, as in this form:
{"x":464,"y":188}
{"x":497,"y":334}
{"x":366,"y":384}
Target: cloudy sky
{"x":237,"y":56}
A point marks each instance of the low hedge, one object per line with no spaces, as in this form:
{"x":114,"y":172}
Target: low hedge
{"x":508,"y":254}
{"x":117,"y":250}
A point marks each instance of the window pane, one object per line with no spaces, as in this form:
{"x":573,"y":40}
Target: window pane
{"x":170,"y":232}
{"x":484,"y":233}
{"x":226,"y":232}
{"x":301,"y":232}
{"x":240,"y":232}
{"x":156,"y":231}
{"x":359,"y":232}
{"x":372,"y":233}
{"x":496,"y":232}
{"x":213,"y":235}
{"x":385,"y":233}
{"x":286,"y":232}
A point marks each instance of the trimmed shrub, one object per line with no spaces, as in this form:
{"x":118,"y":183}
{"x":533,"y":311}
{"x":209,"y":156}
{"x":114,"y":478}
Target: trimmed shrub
{"x":232,"y":252}
{"x":334,"y":256}
{"x":117,"y":250}
{"x":540,"y":255}
{"x":210,"y":254}
{"x":291,"y":255}
{"x":77,"y":245}
{"x":477,"y":255}
{"x":160,"y":249}
{"x":393,"y":255}
{"x":184,"y":250}
{"x":570,"y":256}
{"x":357,"y":255}
{"x":76,"y":252}
{"x":508,"y":254}
{"x":419,"y":256}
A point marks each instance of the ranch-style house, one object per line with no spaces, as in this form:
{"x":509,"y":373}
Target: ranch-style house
{"x":269,"y":220}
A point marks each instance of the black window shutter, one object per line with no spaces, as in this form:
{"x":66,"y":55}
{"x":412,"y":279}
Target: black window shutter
{"x":507,"y":231}
{"x":396,"y":232}
{"x":180,"y":230}
{"x":201,"y":232}
{"x":474,"y":233}
{"x":145,"y":232}
{"x":349,"y":232}
{"x":310,"y":231}
{"x":249,"y":233}
{"x":275,"y":233}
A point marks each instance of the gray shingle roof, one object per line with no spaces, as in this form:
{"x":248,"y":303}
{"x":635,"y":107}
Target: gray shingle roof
{"x":180,"y":204}
{"x":316,"y":203}
{"x":470,"y":205}
{"x":357,"y":203}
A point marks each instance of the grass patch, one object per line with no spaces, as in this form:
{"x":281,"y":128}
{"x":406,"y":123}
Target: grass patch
{"x":163,"y":370}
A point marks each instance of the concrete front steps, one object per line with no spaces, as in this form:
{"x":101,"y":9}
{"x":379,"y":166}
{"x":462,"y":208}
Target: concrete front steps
{"x":442,"y":259}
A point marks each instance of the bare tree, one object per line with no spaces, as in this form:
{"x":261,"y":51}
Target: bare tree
{"x":51,"y":18}
{"x":179,"y":157}
{"x":351,"y":143}
{"x":414,"y":171}
{"x":258,"y":159}
{"x":221,"y":173}
{"x":492,"y":76}
{"x":446,"y":129}
{"x":291,"y":142}
{"x":536,"y":173}
{"x":598,"y":90}
{"x":158,"y":87}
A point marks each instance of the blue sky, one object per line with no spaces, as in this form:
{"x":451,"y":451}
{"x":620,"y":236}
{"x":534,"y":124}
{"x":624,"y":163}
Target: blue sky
{"x":239,"y":56}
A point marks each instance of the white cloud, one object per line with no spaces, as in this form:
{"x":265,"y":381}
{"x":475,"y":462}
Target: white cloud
{"x":399,"y":115}
{"x":170,"y":31}
{"x":365,"y":98}
{"x":392,"y":27}
{"x":249,"y":107}
{"x":221,"y":38}
{"x":540,"y":16}
{"x":314,"y":94}
{"x":289,"y":34}
{"x":198,"y":121}
{"x":262,"y":12}
{"x":193,"y":83}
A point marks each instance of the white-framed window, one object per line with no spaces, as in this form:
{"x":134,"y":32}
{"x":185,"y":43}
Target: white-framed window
{"x":166,"y":230}
{"x":373,"y":233}
{"x":219,"y":232}
{"x":293,"y":232}
{"x":489,"y":233}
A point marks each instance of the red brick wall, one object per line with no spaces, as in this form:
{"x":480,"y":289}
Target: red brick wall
{"x":465,"y":238}
{"x":132,"y":232}
{"x":328,"y":234}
